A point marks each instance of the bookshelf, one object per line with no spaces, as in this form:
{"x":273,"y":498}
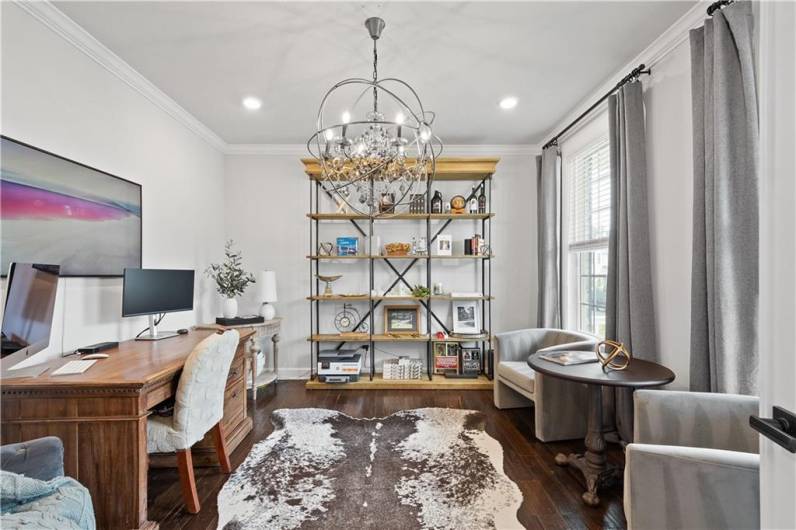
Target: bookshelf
{"x":480,"y":171}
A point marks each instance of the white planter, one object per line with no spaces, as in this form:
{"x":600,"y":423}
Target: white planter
{"x":230,"y":308}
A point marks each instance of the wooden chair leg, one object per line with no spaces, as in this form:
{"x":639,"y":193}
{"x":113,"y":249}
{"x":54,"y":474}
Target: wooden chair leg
{"x":221,"y":448}
{"x":185,"y":466}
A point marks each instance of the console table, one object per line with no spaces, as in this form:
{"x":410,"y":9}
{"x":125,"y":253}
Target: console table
{"x":268,"y":329}
{"x":639,"y":374}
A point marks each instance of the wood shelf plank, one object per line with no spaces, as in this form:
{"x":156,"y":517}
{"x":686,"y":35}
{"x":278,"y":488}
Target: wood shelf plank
{"x":449,"y":298}
{"x":408,"y":256}
{"x":399,"y":217}
{"x":437,"y":382}
{"x":364,"y":337}
{"x":339,"y":298}
{"x":445,"y":168}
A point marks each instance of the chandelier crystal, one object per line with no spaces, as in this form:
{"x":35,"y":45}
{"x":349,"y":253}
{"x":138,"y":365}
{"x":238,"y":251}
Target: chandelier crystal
{"x":379,"y":162}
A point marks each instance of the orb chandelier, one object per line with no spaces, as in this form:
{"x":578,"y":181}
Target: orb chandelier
{"x":378,"y":154}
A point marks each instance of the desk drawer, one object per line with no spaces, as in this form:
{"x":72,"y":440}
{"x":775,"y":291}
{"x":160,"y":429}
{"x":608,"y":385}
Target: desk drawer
{"x":234,"y":403}
{"x":235,"y":370}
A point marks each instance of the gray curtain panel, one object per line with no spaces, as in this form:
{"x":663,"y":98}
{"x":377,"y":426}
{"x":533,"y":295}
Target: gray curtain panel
{"x":548,"y":210}
{"x":724,"y":282}
{"x":630,"y":315}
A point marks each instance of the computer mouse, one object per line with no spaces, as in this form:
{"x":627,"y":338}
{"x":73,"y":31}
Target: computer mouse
{"x":93,"y":356}
{"x":182,"y":331}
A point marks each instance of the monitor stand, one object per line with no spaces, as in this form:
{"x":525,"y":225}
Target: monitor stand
{"x":154,"y":334}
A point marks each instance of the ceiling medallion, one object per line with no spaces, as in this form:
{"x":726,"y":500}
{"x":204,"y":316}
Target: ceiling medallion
{"x":383,"y":150}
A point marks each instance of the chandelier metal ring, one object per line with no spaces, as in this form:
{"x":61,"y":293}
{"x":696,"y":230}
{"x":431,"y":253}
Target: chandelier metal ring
{"x":372,"y":165}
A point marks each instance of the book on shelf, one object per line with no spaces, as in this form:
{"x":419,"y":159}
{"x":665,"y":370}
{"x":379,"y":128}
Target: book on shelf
{"x":567,"y":358}
{"x":467,"y":295}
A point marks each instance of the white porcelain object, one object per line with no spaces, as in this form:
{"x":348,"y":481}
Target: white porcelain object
{"x":267,"y":311}
{"x":230,"y":308}
{"x":266,"y":293}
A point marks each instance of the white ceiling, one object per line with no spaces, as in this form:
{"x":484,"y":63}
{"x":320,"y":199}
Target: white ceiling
{"x":461,"y":57}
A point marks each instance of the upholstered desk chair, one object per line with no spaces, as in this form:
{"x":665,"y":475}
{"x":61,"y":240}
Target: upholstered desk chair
{"x":559,"y":406}
{"x":694,"y":462}
{"x":198,"y":409}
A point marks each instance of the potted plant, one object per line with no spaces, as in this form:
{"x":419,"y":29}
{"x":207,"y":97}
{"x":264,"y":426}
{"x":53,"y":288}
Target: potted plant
{"x":231,"y":280}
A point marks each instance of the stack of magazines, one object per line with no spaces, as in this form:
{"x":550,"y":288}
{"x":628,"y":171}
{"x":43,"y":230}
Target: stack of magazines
{"x":567,"y":358}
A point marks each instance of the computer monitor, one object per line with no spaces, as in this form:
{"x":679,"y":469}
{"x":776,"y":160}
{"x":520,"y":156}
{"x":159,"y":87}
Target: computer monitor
{"x":156,"y":292}
{"x":28,"y":311}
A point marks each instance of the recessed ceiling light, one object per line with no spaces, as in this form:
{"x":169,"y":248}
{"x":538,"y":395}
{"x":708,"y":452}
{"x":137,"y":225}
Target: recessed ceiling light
{"x":508,"y":103}
{"x":252,"y":103}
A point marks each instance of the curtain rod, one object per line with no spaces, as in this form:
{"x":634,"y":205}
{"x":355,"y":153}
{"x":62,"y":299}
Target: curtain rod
{"x":634,"y":74}
{"x":718,"y":5}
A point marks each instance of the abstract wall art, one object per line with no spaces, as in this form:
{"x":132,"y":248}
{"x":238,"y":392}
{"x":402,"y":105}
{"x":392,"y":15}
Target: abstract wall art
{"x":57,"y":211}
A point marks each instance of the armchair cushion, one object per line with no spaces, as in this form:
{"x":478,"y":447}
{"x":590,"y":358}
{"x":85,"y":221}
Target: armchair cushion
{"x":690,"y":487}
{"x":517,"y":373}
{"x":695,"y":419}
{"x":42,"y":458}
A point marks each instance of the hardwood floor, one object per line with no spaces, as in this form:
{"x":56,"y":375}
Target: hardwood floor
{"x":551,"y":494}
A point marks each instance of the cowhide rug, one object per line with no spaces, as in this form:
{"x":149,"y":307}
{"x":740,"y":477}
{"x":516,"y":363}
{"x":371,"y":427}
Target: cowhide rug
{"x":423,"y":468}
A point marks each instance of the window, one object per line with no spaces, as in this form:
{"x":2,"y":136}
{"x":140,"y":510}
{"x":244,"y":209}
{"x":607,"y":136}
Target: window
{"x":589,"y":190}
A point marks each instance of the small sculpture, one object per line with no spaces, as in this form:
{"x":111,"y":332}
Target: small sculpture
{"x":613,"y":355}
{"x":328,"y":280}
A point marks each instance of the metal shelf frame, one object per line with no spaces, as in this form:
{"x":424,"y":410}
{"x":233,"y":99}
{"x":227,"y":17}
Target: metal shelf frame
{"x":365,"y":226}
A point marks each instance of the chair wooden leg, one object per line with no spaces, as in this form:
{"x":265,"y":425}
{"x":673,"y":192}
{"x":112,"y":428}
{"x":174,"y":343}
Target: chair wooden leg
{"x":185,"y":466}
{"x":221,"y":448}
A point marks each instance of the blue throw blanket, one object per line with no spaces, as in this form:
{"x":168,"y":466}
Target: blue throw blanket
{"x":61,"y":503}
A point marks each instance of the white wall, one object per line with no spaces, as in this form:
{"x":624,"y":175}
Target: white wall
{"x":267,"y":199}
{"x":667,"y":100}
{"x":57,"y":98}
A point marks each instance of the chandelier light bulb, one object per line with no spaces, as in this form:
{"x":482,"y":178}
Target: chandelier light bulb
{"x":400,"y":118}
{"x":346,"y":117}
{"x":329,"y":134}
{"x":425,"y":132}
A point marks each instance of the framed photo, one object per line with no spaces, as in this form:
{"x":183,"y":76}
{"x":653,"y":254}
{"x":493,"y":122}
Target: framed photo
{"x":446,"y":356}
{"x":444,"y":245}
{"x":401,"y":319}
{"x":347,"y":246}
{"x":465,"y":317}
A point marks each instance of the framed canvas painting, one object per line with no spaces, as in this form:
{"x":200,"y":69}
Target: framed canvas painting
{"x":55,"y":210}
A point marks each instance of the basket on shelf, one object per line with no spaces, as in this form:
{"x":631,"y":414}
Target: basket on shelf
{"x":397,"y":249}
{"x":403,"y":368}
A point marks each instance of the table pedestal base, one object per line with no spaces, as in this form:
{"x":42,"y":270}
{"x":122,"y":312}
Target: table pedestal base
{"x":595,"y":478}
{"x":596,"y":470}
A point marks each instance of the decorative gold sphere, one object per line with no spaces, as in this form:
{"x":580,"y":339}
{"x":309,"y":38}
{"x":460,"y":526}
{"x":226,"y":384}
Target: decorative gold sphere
{"x":613,"y":355}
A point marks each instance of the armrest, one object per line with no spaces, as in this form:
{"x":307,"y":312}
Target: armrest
{"x":690,"y":487}
{"x":42,"y":458}
{"x":582,"y":345}
{"x":695,"y":419}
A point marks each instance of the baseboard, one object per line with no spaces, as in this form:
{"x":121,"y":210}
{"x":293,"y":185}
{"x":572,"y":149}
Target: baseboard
{"x":294,"y":374}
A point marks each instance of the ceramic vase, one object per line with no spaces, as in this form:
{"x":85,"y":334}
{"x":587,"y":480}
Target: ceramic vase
{"x":230,"y":308}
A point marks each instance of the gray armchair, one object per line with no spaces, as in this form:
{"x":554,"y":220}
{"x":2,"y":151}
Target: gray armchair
{"x":560,"y":407}
{"x":35,"y":492}
{"x":694,"y":462}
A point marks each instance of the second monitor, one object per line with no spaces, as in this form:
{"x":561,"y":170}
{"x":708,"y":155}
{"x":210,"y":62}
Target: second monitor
{"x":154,"y":292}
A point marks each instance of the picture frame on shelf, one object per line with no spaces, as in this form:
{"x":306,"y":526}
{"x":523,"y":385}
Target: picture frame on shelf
{"x":401,"y":319}
{"x":446,"y":356}
{"x":444,"y":245}
{"x":466,"y":318}
{"x":347,"y":246}
{"x":470,"y":362}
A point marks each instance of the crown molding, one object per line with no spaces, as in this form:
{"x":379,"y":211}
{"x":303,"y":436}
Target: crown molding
{"x":54,"y":19}
{"x":662,"y":46}
{"x":448,"y":150}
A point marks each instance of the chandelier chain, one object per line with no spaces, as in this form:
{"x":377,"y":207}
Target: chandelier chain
{"x":375,"y":77}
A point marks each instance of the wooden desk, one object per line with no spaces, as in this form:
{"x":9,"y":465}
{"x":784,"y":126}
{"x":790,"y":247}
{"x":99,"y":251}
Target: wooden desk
{"x":101,"y":415}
